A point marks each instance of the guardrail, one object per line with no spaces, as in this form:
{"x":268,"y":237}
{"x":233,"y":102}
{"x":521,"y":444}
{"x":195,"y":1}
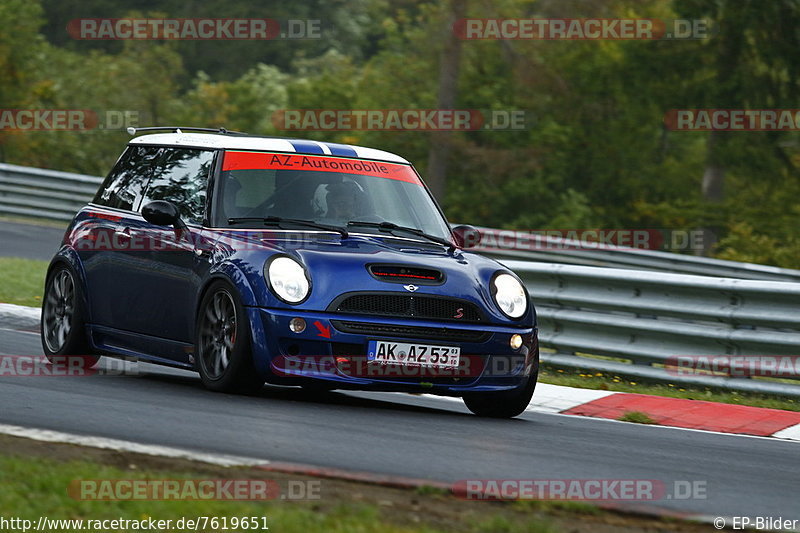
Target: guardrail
{"x":629,"y":314}
{"x":647,"y":320}
{"x":507,"y":244}
{"x":43,"y":193}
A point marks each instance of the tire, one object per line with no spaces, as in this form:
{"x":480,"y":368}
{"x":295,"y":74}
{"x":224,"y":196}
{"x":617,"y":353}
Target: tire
{"x":504,"y":404}
{"x":222,"y":342}
{"x":63,"y":330}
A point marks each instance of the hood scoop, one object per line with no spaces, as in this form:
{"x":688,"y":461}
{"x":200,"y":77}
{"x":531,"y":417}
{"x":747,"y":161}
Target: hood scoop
{"x":406,"y":274}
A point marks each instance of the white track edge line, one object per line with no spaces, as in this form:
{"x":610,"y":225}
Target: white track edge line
{"x":46,"y":435}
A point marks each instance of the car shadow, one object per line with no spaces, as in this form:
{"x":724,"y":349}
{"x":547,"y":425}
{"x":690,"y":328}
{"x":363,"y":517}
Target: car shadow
{"x":295,"y":394}
{"x":154,"y":373}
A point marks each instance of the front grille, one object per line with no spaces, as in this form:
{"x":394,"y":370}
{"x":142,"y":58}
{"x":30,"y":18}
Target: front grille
{"x":416,"y":332}
{"x":406,"y":305}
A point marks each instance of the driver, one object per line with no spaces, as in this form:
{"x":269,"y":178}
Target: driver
{"x":343,"y":200}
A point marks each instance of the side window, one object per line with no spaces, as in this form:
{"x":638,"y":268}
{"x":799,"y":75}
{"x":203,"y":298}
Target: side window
{"x":181,"y":177}
{"x":125,"y":184}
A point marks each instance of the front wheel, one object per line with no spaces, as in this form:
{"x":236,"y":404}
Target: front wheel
{"x":222,"y":342}
{"x":503,"y":404}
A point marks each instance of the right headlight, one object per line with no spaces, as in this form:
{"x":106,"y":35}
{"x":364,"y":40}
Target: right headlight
{"x":509,"y":294}
{"x":288,"y":280}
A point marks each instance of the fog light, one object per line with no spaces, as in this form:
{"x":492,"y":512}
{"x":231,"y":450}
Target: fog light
{"x":516,"y":341}
{"x":297,"y":325}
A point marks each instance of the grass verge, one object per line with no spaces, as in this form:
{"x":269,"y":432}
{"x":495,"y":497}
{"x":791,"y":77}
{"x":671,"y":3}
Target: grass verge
{"x":36,"y":476}
{"x":34,"y":221}
{"x":22,"y":281}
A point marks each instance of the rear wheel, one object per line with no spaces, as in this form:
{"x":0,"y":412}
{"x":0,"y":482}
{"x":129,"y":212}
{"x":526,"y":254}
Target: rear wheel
{"x":222,"y":342}
{"x":63,"y":329}
{"x":504,"y":404}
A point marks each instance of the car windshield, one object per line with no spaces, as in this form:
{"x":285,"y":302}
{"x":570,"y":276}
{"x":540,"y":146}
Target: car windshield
{"x":326,"y":190}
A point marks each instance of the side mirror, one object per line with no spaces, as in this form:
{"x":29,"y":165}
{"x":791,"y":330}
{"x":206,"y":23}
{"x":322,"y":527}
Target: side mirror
{"x":162,"y":213}
{"x":466,"y":236}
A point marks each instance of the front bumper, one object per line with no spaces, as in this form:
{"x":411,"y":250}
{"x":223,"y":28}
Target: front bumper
{"x":333,"y":349}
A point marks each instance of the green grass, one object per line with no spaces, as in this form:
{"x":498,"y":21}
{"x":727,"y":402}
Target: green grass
{"x":637,"y":417}
{"x":34,"y":487}
{"x":428,"y":490}
{"x":612,"y":382}
{"x":22,"y":281}
{"x":572,"y":507}
{"x":34,"y":221}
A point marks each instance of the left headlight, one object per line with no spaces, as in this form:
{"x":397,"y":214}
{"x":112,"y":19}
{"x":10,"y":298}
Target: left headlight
{"x":509,"y":294}
{"x":288,"y":279}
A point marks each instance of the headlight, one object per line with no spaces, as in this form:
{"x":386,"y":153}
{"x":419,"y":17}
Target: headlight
{"x":287,"y":279}
{"x":509,"y":295}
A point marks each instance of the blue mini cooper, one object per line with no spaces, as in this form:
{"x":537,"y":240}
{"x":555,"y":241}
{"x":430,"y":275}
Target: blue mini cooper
{"x":252,"y":259}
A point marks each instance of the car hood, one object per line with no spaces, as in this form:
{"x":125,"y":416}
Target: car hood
{"x":338,"y":266}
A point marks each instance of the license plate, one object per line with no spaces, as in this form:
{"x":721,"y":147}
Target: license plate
{"x":403,"y":353}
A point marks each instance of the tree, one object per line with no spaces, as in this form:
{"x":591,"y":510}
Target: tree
{"x":753,"y":64}
{"x":449,"y":62}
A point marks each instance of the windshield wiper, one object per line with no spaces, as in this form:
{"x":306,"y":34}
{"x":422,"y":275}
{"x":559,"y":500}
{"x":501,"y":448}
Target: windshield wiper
{"x":391,"y":226}
{"x":299,"y":222}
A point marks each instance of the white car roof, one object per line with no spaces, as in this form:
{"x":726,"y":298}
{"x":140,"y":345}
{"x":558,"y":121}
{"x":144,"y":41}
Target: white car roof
{"x":267,"y":144}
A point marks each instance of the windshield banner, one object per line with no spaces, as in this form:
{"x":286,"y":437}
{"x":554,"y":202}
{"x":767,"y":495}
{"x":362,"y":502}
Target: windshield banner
{"x":273,"y":161}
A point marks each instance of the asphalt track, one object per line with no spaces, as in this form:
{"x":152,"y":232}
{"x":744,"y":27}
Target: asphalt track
{"x":29,"y":241}
{"x":402,"y":435}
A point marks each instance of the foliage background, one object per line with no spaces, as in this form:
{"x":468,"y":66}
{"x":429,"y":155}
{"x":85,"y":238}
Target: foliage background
{"x":596,"y":155}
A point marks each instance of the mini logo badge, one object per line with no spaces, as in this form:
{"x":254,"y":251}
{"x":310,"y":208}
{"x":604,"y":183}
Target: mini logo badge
{"x":459,"y":313}
{"x":410,"y":288}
